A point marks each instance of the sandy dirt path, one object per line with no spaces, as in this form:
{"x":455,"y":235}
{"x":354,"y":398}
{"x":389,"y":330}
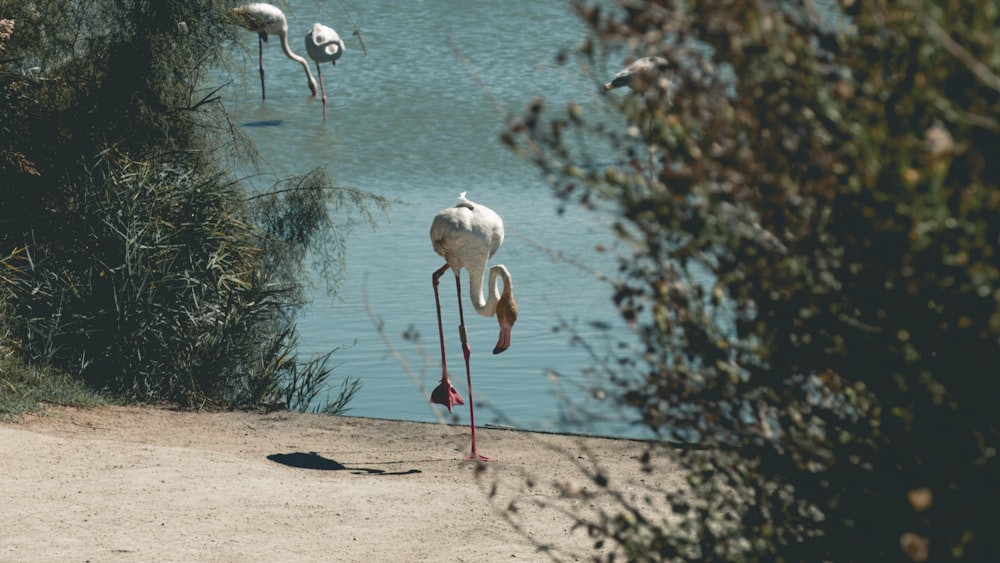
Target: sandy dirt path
{"x":153,"y":484}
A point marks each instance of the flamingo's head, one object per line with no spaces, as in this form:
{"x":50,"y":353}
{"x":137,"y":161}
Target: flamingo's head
{"x":312,"y":84}
{"x":506,"y":317}
{"x":336,"y":51}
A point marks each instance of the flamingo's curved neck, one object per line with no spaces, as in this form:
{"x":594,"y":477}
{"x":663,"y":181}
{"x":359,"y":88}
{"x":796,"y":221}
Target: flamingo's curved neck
{"x":301,"y":60}
{"x":487,"y":307}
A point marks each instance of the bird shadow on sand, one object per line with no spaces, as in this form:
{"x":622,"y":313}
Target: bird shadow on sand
{"x":312,"y":460}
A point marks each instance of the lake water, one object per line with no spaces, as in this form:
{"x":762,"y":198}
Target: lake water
{"x":414,"y":122}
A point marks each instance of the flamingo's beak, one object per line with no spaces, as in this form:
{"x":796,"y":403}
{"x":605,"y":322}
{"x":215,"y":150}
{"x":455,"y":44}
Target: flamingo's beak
{"x":504,"y":341}
{"x":446,"y":394}
{"x":506,"y":316}
{"x":617,"y":82}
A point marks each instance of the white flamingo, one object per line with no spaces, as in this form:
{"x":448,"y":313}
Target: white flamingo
{"x":467,"y":236}
{"x":323,"y":45}
{"x":264,"y":19}
{"x":642,"y":73}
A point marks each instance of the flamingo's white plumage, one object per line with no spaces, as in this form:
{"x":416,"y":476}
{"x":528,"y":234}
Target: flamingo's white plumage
{"x":641,"y":74}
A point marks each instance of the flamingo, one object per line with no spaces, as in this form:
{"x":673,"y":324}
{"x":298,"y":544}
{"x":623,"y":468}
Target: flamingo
{"x":322,"y":45}
{"x":467,"y":236}
{"x":649,"y":71}
{"x":264,"y":19}
{"x":646,"y":73}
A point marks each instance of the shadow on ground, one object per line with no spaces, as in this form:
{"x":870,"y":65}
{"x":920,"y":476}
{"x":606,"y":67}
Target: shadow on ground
{"x":312,"y":460}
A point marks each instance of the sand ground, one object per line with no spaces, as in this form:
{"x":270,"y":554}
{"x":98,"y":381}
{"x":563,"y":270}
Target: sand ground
{"x":155,"y":484}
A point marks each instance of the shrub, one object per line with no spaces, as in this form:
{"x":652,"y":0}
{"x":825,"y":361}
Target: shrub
{"x":833,"y":169}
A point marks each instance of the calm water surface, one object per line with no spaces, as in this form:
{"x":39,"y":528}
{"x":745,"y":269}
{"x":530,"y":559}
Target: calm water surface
{"x":414,"y":122}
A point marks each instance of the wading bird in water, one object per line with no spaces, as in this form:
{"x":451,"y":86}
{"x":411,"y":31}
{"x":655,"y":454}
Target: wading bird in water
{"x":467,"y":236}
{"x":323,"y":45}
{"x":264,"y":19}
{"x":642,"y":74}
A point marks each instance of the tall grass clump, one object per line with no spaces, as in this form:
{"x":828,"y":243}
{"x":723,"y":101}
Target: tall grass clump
{"x":135,"y":262}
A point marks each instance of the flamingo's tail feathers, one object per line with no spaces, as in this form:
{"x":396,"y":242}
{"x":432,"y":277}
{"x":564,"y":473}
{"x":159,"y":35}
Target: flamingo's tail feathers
{"x":464,"y":201}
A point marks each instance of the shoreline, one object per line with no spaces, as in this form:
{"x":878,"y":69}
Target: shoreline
{"x":155,"y":484}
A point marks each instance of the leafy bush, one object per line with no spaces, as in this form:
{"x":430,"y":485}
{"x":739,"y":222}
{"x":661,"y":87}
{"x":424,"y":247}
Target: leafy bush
{"x":133,"y":261}
{"x":834,"y":169}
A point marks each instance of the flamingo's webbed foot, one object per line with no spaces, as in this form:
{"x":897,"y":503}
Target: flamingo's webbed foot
{"x":479,"y":457}
{"x":446,"y":394}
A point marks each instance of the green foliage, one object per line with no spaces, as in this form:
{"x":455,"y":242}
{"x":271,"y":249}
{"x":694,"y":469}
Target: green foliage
{"x":26,"y":388}
{"x":835,"y":171}
{"x":295,"y":214}
{"x":132,"y":260}
{"x":159,"y":297}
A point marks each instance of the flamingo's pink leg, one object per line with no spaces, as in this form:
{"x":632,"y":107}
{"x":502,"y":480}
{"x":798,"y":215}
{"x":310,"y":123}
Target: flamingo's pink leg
{"x":323,"y":89}
{"x":445,"y":393}
{"x":260,"y":58}
{"x":467,"y":352}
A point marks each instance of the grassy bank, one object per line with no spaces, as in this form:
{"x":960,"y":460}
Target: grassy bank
{"x":25,"y":388}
